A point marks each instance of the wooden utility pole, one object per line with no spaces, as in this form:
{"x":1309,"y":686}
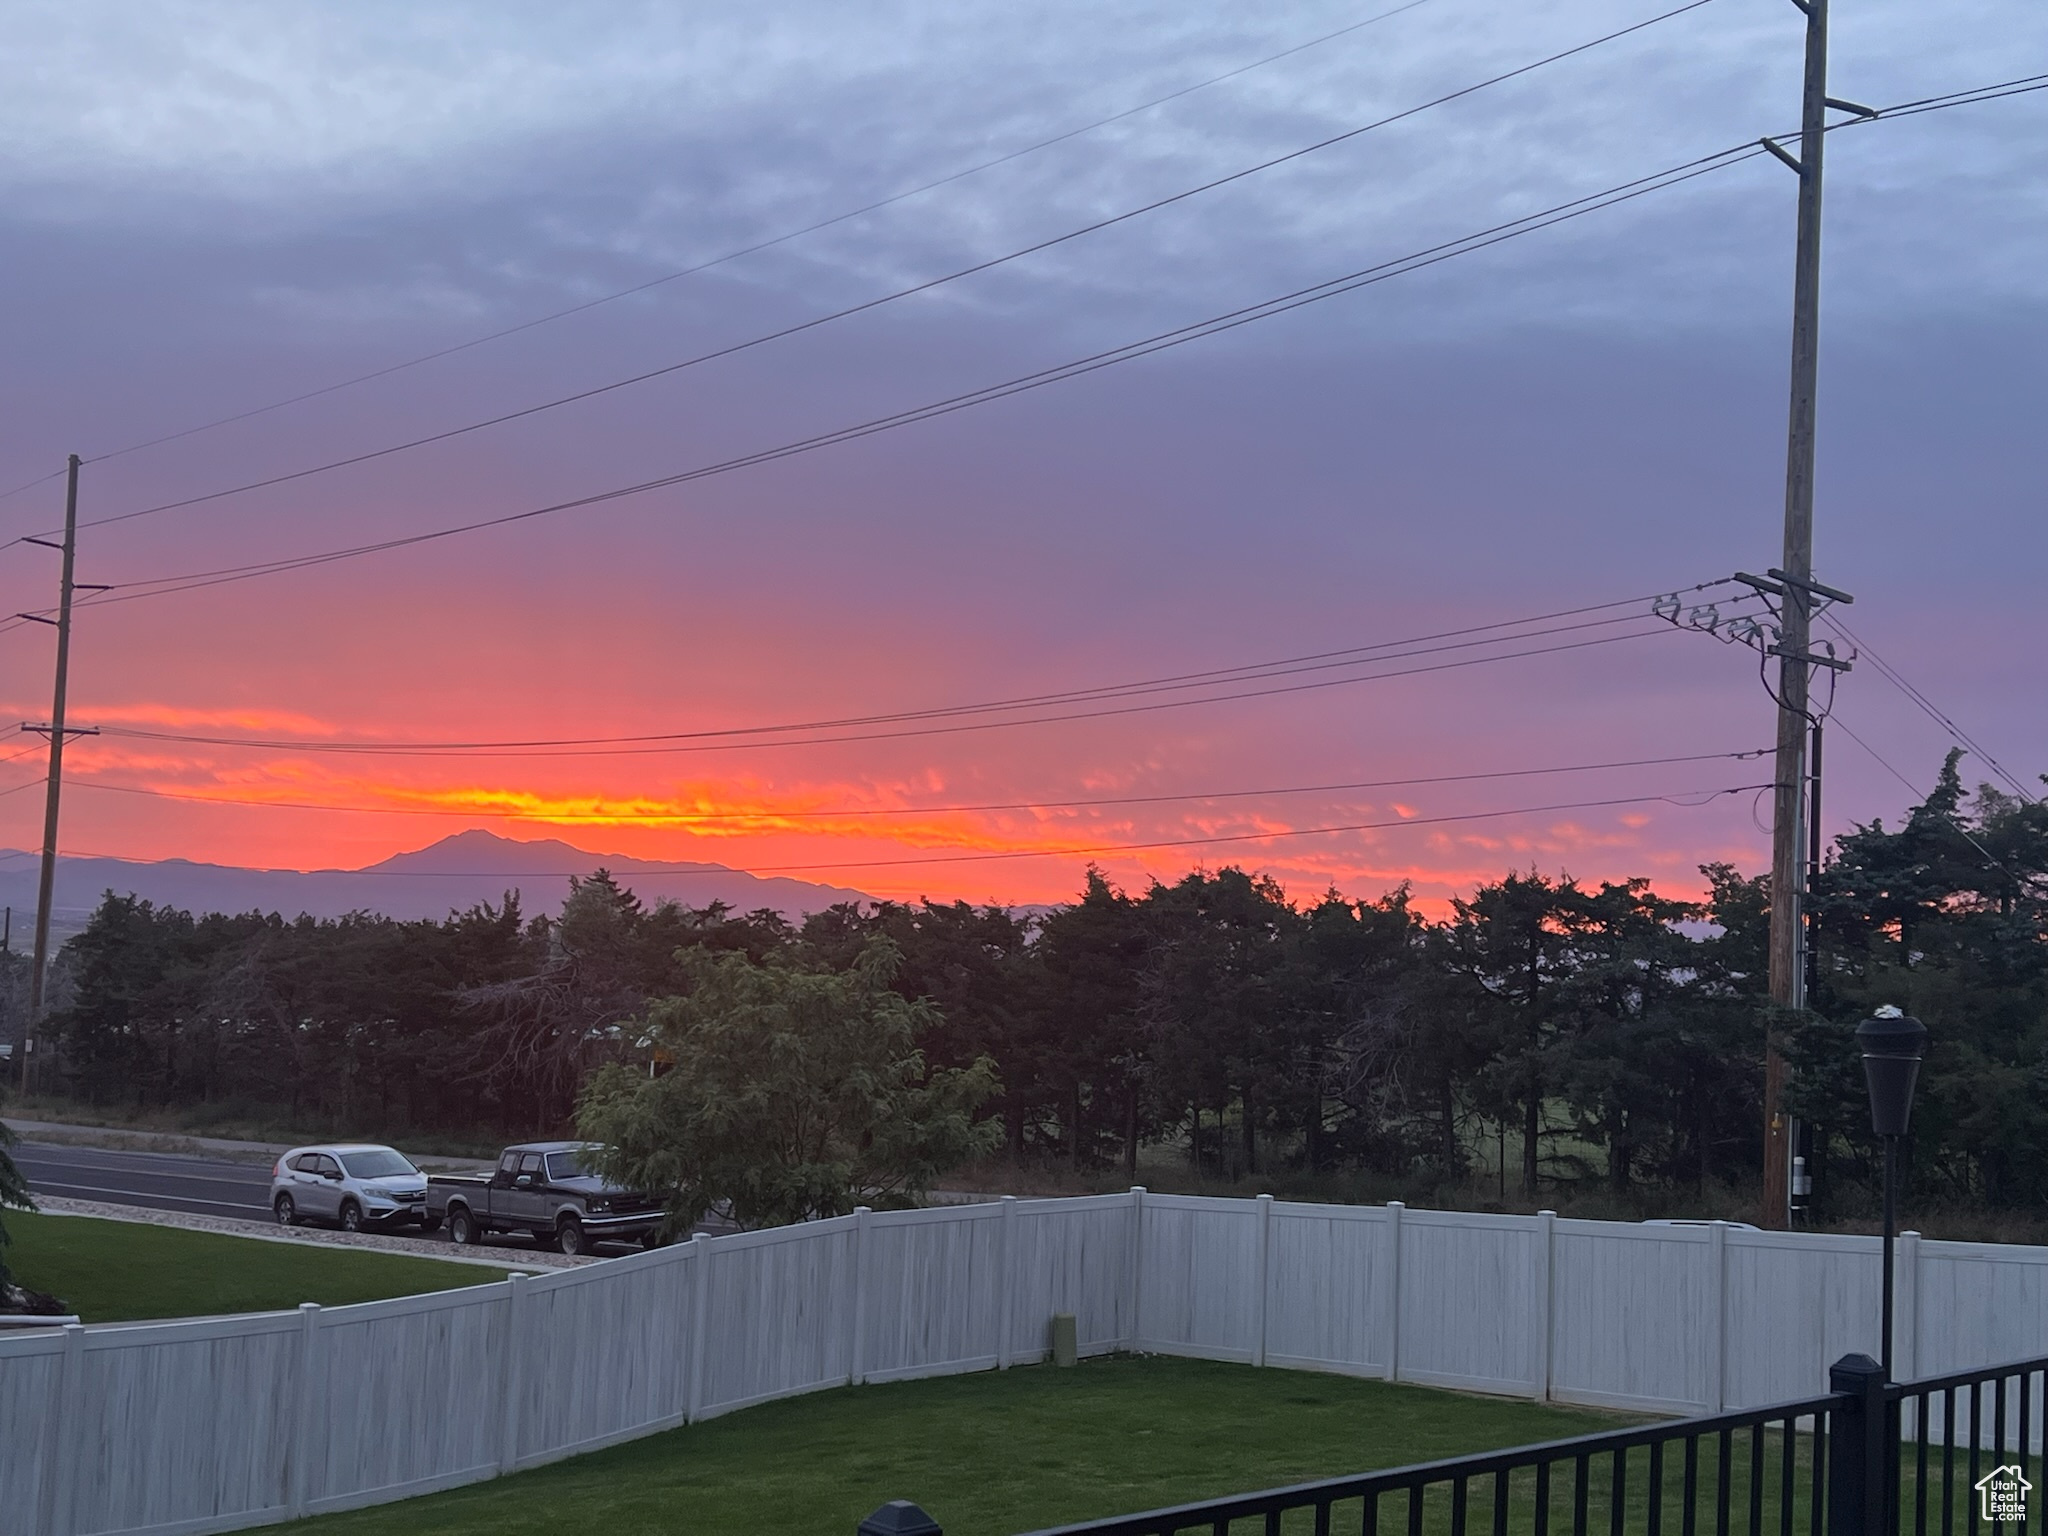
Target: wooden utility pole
{"x":46,"y":886}
{"x":1788,"y":841}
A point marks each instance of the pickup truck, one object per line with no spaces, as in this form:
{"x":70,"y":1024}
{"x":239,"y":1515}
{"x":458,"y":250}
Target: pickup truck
{"x":545,"y":1188}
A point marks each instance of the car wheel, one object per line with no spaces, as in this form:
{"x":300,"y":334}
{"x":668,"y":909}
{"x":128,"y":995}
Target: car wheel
{"x":287,"y":1210}
{"x":351,"y":1216}
{"x":570,"y":1237}
{"x":461,"y":1228}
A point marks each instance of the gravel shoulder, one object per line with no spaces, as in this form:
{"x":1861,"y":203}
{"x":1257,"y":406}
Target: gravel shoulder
{"x":490,"y":1255}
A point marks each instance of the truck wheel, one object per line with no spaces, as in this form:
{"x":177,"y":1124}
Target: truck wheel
{"x":287,"y":1210}
{"x":461,"y":1227}
{"x":351,"y":1216}
{"x":570,"y":1237}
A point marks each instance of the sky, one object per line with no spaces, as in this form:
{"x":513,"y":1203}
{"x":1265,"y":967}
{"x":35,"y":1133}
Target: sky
{"x":209,"y":209}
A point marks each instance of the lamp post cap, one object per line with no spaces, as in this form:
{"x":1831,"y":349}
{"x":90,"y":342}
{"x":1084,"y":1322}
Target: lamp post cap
{"x":1889,"y":1032}
{"x":899,"y":1517}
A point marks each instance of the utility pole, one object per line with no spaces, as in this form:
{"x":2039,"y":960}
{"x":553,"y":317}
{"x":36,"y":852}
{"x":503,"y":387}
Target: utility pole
{"x":46,"y":886}
{"x":1789,"y":828}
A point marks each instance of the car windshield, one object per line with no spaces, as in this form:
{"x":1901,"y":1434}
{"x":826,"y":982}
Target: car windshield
{"x":379,"y":1163}
{"x":570,"y":1165}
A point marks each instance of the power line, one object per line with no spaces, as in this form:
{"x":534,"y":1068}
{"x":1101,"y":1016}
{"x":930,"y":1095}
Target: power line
{"x":512,"y":813}
{"x":1923,"y":797}
{"x":1926,"y":705}
{"x":131,"y":591}
{"x":1496,"y":633}
{"x":743,"y":251}
{"x":1687,"y":799}
{"x":926,"y":286}
{"x":970,"y":726}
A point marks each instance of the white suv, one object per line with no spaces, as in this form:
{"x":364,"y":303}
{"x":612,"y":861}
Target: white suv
{"x":352,"y":1186}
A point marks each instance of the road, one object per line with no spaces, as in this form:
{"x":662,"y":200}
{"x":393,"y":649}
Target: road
{"x":200,"y":1186}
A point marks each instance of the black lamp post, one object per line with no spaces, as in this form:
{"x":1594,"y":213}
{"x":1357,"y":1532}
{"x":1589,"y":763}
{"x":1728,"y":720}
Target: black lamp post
{"x":1892,"y":1044}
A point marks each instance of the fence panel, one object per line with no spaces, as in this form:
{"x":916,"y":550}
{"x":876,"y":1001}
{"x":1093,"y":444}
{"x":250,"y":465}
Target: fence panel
{"x":31,"y":1367}
{"x":1469,"y":1306}
{"x":1072,"y":1256}
{"x":1635,"y":1316}
{"x":1796,"y":1302}
{"x":604,"y":1354}
{"x":781,"y":1307}
{"x":1327,"y":1272}
{"x":1974,"y":1304}
{"x":930,"y":1289}
{"x":1198,"y":1286}
{"x":187,"y":1423}
{"x":408,"y":1397}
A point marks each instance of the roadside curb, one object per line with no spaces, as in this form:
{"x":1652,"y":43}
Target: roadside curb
{"x":265,"y":1232}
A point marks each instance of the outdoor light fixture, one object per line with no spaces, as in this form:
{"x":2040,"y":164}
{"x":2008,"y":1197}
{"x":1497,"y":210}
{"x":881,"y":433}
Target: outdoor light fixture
{"x":1892,"y":1045}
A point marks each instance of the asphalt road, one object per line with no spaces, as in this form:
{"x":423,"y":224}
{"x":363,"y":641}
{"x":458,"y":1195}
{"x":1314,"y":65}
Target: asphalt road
{"x":163,"y":1181}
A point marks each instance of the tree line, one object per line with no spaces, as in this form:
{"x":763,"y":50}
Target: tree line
{"x":1543,"y":1030}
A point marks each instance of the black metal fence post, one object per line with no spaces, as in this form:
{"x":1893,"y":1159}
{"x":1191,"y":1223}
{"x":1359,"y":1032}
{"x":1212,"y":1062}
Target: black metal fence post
{"x":1857,"y":1459}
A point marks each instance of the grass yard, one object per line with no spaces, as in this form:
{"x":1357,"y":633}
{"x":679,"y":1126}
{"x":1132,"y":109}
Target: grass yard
{"x":122,"y":1271}
{"x":986,"y":1455}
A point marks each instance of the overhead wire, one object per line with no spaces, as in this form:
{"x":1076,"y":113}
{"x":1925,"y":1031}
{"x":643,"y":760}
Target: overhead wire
{"x":1461,"y":638}
{"x":896,"y":295}
{"x":1922,"y":796}
{"x":694,"y":745}
{"x":514,"y":813}
{"x":134,"y":590}
{"x":1926,"y":705}
{"x":737,"y":254}
{"x":1691,"y":799}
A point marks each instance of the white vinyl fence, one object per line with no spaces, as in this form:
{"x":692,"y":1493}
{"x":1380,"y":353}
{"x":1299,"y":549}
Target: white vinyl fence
{"x":221,"y":1423}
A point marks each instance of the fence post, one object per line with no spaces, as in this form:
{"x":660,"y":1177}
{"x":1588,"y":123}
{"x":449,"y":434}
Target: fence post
{"x":1265,"y":1208}
{"x":858,"y":1364}
{"x":1136,"y":1268}
{"x":1906,"y":1324}
{"x":305,"y":1422}
{"x":1545,"y":1256}
{"x":1858,"y":1462}
{"x":1006,"y":1288}
{"x":700,"y":1305}
{"x":60,"y":1464}
{"x":1393,"y":1303}
{"x":510,"y":1375}
{"x":1717,"y":1317}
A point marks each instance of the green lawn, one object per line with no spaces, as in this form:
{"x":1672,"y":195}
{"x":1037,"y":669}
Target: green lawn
{"x":986,"y":1455}
{"x":125,"y":1271}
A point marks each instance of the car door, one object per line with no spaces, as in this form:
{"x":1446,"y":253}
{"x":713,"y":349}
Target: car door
{"x":322,"y":1186}
{"x":500,"y":1194}
{"x":530,"y":1193}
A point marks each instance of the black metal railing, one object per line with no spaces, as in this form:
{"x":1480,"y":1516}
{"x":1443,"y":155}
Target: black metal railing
{"x":1937,"y":1457}
{"x":1759,"y":1472}
{"x":1951,"y":1435}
